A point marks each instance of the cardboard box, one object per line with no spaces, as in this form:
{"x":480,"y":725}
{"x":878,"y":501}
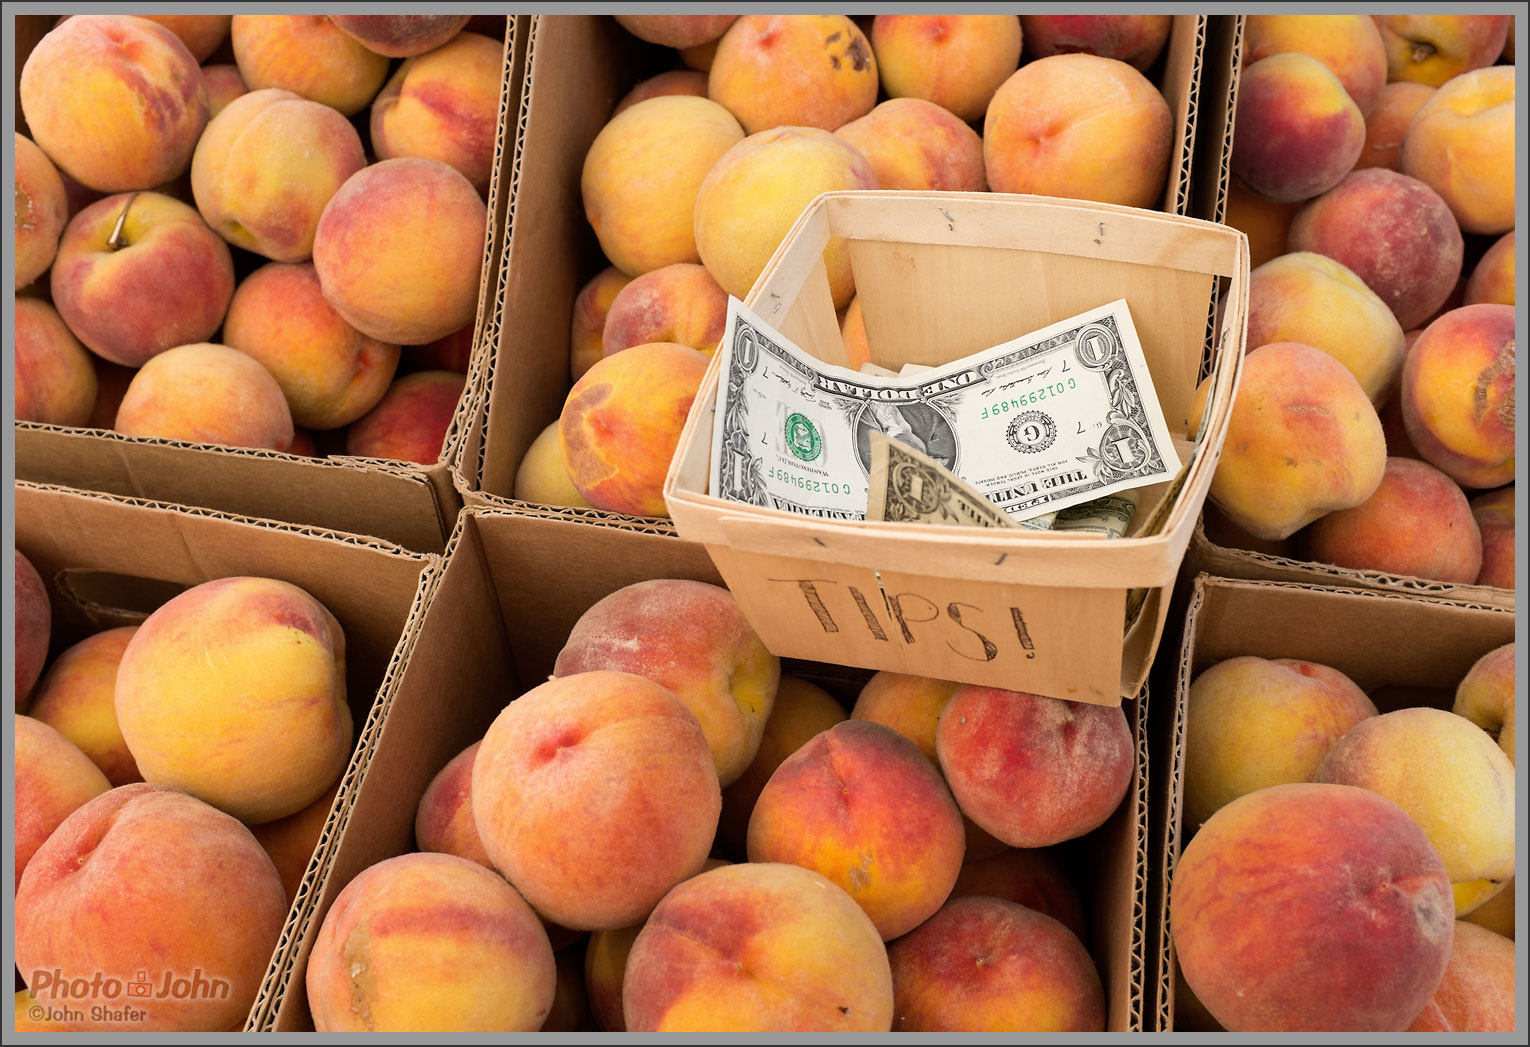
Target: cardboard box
{"x":513,"y":586}
{"x":1210,"y":166}
{"x":110,"y":561}
{"x":413,"y":505}
{"x":1379,"y":639}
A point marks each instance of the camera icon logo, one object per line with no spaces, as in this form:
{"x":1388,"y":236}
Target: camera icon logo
{"x":140,"y":986}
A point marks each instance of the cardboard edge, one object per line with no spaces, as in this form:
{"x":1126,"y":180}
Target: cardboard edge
{"x":1139,"y":959}
{"x":1185,"y":108}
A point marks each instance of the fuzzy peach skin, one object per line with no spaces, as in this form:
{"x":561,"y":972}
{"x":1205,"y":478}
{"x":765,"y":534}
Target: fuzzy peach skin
{"x":401,"y":36}
{"x":989,"y":965}
{"x":675,"y":82}
{"x":862,"y":805}
{"x":266,"y":167}
{"x":1464,"y":804}
{"x":443,"y":821}
{"x":1079,"y":126}
{"x":1461,"y":143}
{"x":910,"y":705}
{"x":55,"y":378}
{"x":1136,"y":40}
{"x":42,"y":209}
{"x":914,"y":144}
{"x":955,"y":61}
{"x":1311,"y":908}
{"x":290,"y":841}
{"x":1032,"y":770}
{"x":1431,"y":49}
{"x":330,"y":373}
{"x":202,"y":34}
{"x":691,"y":638}
{"x":410,"y":422}
{"x":1494,"y":513}
{"x":1393,"y":232}
{"x":224,"y":84}
{"x":852,"y":329}
{"x":399,"y":250}
{"x":1458,"y":395}
{"x":1349,"y":45}
{"x":1265,"y":222}
{"x":53,"y":779}
{"x":1032,"y":877}
{"x":1477,"y":992}
{"x":768,"y":947}
{"x":34,"y":625}
{"x":209,"y":394}
{"x":260,"y":745}
{"x":1386,"y":124}
{"x":621,"y":422}
{"x":752,"y":197}
{"x":161,"y":278}
{"x":31,"y":1016}
{"x":679,"y":303}
{"x":642,"y":174}
{"x":1492,"y":281}
{"x":677,"y":31}
{"x":801,"y":711}
{"x":595,"y":794}
{"x":542,"y":477}
{"x":444,"y":105}
{"x":76,"y":697}
{"x":1298,"y":132}
{"x":1485,"y":696}
{"x":793,"y":71}
{"x":309,"y":55}
{"x":147,"y":877}
{"x":430,"y":942}
{"x":587,"y":328}
{"x":117,"y":102}
{"x":1255,"y":722}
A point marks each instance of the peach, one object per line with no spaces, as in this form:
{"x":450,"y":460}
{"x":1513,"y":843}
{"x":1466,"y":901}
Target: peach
{"x":1393,"y":232}
{"x":209,"y":394}
{"x":430,"y":942}
{"x":1458,"y":395}
{"x":1298,"y":130}
{"x":399,"y":250}
{"x":852,"y":329}
{"x":34,"y":625}
{"x":264,"y":170}
{"x":914,"y":144}
{"x":752,"y":196}
{"x":700,"y":56}
{"x":1221,"y":531}
{"x":1485,"y":696}
{"x":801,"y":711}
{"x":1265,"y":222}
{"x":1477,"y":991}
{"x":1254,"y":722}
{"x":1032,"y":770}
{"x":302,"y":444}
{"x":675,"y":82}
{"x":990,"y":965}
{"x":1431,"y":49}
{"x":330,"y":373}
{"x":642,"y":174}
{"x":605,"y":967}
{"x":139,"y":273}
{"x":678,"y":31}
{"x":1079,"y":126}
{"x":224,"y":84}
{"x":1388,"y":122}
{"x":53,"y":779}
{"x":1497,"y":913}
{"x":542,"y":478}
{"x":1136,"y":40}
{"x":410,"y":422}
{"x":1349,"y":45}
{"x":1464,"y":805}
{"x":258,"y":744}
{"x":1032,"y":877}
{"x":955,"y":61}
{"x":1492,"y":281}
{"x":1311,"y":907}
{"x":450,"y":352}
{"x":32,"y":1016}
{"x":691,"y":638}
{"x":1494,"y":513}
{"x":910,"y":705}
{"x":291,"y":841}
{"x":146,"y":883}
{"x":55,"y":380}
{"x":587,"y":329}
{"x":117,"y":102}
{"x":42,"y":210}
{"x":443,"y":821}
{"x":1461,"y":144}
{"x":570,"y":1011}
{"x":793,"y":71}
{"x":401,"y":36}
{"x":679,"y":303}
{"x":76,"y":698}
{"x":595,"y":794}
{"x":444,"y":105}
{"x":770,"y":947}
{"x":309,"y":55}
{"x":621,"y":423}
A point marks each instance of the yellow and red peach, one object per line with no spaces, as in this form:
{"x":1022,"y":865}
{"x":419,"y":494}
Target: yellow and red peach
{"x":1458,"y":395}
{"x":1485,"y":696}
{"x":1492,"y":281}
{"x":443,"y":821}
{"x":1494,"y":513}
{"x":410,"y":422}
{"x":34,"y":625}
{"x":224,"y":84}
{"x":42,"y":210}
{"x":1349,"y":45}
{"x":605,"y":968}
{"x":1477,"y":992}
{"x":450,"y":352}
{"x":542,"y":478}
{"x":291,"y":841}
{"x":1461,"y":144}
{"x":955,"y":61}
{"x":202,"y":34}
{"x":910,"y":705}
{"x":1431,"y":49}
{"x":1388,"y":122}
{"x":793,"y":71}
{"x":587,"y":329}
{"x":677,"y":31}
{"x":914,"y":144}
{"x":53,"y":779}
{"x":1298,"y":130}
{"x":679,"y":303}
{"x":675,"y":82}
{"x":76,"y":697}
{"x":55,"y":378}
{"x":401,"y":36}
{"x":1032,"y":877}
{"x":309,"y":55}
{"x":209,"y":394}
{"x":1136,"y":40}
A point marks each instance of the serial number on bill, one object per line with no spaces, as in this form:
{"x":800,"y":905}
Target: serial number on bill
{"x":806,"y":484}
{"x":1035,"y":396}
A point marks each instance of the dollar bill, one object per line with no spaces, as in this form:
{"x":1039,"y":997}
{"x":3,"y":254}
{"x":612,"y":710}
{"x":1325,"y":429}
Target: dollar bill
{"x":1055,"y":418}
{"x":1109,"y":516}
{"x":909,"y":487}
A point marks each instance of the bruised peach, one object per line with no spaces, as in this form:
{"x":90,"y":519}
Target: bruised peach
{"x":410,"y":422}
{"x":1136,"y":40}
{"x":591,"y":306}
{"x":1431,"y":49}
{"x":1458,"y":395}
{"x":76,"y":697}
{"x":42,"y":209}
{"x":1461,"y":144}
{"x":55,"y":379}
{"x":53,"y":779}
{"x":34,"y":625}
{"x":444,"y":819}
{"x":401,"y":36}
{"x":206,"y":393}
{"x":1494,"y":513}
{"x":1492,"y":281}
{"x":954,"y":61}
{"x":1349,"y":45}
{"x":1388,"y":122}
{"x":309,"y":55}
{"x":675,"y":82}
{"x":914,"y":144}
{"x":793,"y":71}
{"x":1298,"y":130}
{"x":678,"y":303}
{"x":542,"y":477}
{"x":678,"y":31}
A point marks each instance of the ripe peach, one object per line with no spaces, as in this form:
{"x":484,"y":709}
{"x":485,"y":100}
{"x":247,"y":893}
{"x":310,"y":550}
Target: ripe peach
{"x":410,"y":422}
{"x":699,"y":57}
{"x":1298,"y":130}
{"x":76,"y":698}
{"x":542,"y":477}
{"x":1492,"y":281}
{"x":591,"y":306}
{"x":259,"y":745}
{"x":291,"y":841}
{"x":450,"y":352}
{"x":955,"y":61}
{"x":444,"y":819}
{"x":910,"y":705}
{"x":202,"y":34}
{"x":53,"y":779}
{"x":678,"y":31}
{"x":224,"y":84}
{"x":675,"y":82}
{"x":1494,"y":513}
{"x":605,"y":967}
{"x":1485,"y":696}
{"x":914,"y":144}
{"x":1458,"y":395}
{"x":34,"y":625}
{"x":1497,"y":913}
{"x":1431,"y":49}
{"x":1265,"y":222}
{"x":206,"y":393}
{"x":1349,"y":45}
{"x":1032,"y":877}
{"x":42,"y":210}
{"x":117,"y":102}
{"x":1136,"y":40}
{"x":430,"y":942}
{"x":793,"y":71}
{"x":1461,"y":144}
{"x":1477,"y":992}
{"x":55,"y":379}
{"x":621,"y":422}
{"x":401,"y":36}
{"x":570,"y":1011}
{"x":753,"y":195}
{"x":691,"y":638}
{"x":852,"y":330}
{"x":678,"y":303}
{"x":1079,"y":126}
{"x":1388,"y":122}
{"x":309,"y":55}
{"x":32,"y":1016}
{"x":147,"y":882}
